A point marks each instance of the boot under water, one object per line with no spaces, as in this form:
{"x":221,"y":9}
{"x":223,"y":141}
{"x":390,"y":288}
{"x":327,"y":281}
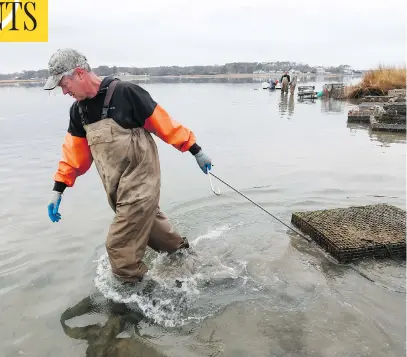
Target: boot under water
{"x":147,"y":286}
{"x":183,"y":249}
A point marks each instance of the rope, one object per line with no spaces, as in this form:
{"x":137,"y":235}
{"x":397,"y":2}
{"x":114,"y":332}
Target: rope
{"x":247,"y":198}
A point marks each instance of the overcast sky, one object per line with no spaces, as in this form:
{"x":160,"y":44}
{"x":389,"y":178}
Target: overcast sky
{"x":141,"y":33}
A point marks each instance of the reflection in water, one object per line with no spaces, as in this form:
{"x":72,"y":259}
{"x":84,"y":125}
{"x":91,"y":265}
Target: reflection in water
{"x":22,"y":85}
{"x":118,"y":336}
{"x":354,"y":127}
{"x":286,"y":104}
{"x":291,"y":105}
{"x":331,"y":105}
{"x":385,"y":138}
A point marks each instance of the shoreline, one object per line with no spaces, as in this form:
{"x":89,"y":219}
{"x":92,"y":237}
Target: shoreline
{"x":11,"y":81}
{"x":185,"y":76}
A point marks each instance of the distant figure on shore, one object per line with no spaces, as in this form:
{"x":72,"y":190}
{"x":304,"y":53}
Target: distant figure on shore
{"x":285,"y":79}
{"x":293,"y":83}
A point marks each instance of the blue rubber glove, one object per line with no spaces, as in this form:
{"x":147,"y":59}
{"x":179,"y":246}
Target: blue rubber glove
{"x":53,"y":206}
{"x":204,"y":162}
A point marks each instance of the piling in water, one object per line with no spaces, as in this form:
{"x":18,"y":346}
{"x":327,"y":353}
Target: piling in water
{"x":349,"y":234}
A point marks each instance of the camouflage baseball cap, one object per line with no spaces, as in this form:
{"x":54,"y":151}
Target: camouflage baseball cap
{"x":60,"y":63}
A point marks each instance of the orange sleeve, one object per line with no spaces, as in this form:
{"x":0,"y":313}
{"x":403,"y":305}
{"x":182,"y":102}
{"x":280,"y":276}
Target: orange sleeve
{"x":170,"y":131}
{"x":76,"y":160}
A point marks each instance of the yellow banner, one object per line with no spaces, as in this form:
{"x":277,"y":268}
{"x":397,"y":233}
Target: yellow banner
{"x":23,"y":20}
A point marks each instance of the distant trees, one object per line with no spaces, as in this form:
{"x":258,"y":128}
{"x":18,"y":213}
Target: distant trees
{"x":228,"y":68}
{"x":340,"y":69}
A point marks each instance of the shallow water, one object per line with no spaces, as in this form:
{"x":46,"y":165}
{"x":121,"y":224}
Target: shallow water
{"x":254,"y":288}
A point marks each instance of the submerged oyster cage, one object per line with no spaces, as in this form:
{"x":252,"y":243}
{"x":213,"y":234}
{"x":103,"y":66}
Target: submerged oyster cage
{"x":382,"y":125}
{"x":306,"y":92}
{"x":359,"y":116}
{"x":384,"y":116}
{"x":348,"y":234}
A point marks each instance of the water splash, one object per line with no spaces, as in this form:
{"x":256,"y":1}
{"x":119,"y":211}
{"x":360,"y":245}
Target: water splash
{"x":216,"y":233}
{"x":178,"y":289}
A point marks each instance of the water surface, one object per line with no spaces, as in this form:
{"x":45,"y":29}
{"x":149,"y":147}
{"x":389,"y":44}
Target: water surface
{"x":254,"y":288}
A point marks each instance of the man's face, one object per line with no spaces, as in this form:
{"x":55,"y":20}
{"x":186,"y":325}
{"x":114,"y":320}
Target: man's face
{"x":73,"y":85}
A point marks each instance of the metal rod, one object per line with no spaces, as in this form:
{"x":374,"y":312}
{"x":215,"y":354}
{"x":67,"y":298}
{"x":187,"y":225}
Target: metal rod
{"x":247,"y":198}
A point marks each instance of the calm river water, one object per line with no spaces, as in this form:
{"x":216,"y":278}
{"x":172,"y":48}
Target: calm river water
{"x":254,"y":288}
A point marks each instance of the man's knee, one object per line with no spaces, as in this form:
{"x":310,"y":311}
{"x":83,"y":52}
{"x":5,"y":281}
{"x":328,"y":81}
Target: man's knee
{"x":126,"y":244}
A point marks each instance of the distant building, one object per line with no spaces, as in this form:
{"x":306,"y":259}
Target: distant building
{"x":347,"y":70}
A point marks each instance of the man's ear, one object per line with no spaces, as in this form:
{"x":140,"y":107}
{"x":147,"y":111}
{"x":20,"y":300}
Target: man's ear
{"x":80,"y":72}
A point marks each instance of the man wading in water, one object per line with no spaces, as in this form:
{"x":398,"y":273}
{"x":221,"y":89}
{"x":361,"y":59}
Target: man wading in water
{"x":110,"y":124}
{"x":285,"y":80}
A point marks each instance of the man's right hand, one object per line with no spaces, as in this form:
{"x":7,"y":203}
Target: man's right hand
{"x":53,"y":206}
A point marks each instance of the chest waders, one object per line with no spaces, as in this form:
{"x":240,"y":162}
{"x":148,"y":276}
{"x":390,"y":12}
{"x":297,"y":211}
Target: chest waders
{"x":284,"y":85}
{"x":128,"y":165}
{"x":293,"y":85}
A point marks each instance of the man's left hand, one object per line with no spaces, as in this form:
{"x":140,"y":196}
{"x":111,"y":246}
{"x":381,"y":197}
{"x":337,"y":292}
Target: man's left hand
{"x":204,"y":162}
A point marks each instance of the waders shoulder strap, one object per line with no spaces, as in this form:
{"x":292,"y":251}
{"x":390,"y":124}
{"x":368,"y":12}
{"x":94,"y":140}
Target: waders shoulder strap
{"x":108,"y":97}
{"x":82,"y":115}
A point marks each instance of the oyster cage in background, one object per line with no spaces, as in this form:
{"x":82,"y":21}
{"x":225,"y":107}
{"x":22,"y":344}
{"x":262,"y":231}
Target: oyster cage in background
{"x":349,"y":234}
{"x":334,"y":90}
